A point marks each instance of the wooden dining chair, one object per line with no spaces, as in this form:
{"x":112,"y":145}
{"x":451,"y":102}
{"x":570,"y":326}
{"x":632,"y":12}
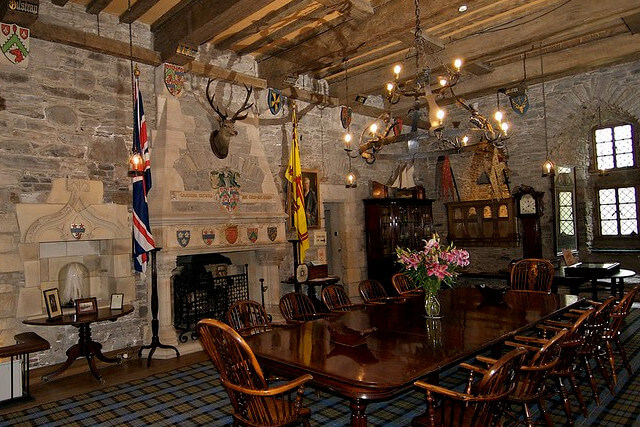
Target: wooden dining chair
{"x":253,"y":402}
{"x":567,"y":365}
{"x":248,"y":318}
{"x":336,"y":299}
{"x":612,"y":331}
{"x":296,"y":308}
{"x":532,"y":274}
{"x":480,"y":404}
{"x":370,"y":290}
{"x":530,"y":383}
{"x":404,"y":285}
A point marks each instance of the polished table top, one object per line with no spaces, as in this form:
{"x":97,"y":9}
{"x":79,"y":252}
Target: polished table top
{"x":73,"y":319}
{"x":405,"y":346}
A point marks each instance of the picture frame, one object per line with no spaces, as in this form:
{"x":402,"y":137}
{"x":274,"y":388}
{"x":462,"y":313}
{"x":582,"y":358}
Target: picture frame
{"x":52,"y":302}
{"x":117,"y":301}
{"x":311,"y":192}
{"x":86,"y":306}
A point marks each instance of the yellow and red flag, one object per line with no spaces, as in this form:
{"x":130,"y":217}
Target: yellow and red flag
{"x":294,"y":175}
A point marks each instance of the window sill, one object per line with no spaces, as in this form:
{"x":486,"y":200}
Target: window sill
{"x":614,"y":250}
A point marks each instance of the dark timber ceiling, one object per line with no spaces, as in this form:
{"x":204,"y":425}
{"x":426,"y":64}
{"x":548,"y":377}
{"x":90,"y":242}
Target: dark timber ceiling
{"x":323,"y":37}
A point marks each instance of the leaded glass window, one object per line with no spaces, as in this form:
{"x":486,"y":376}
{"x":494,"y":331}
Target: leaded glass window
{"x":614,"y":147}
{"x":618,"y":211}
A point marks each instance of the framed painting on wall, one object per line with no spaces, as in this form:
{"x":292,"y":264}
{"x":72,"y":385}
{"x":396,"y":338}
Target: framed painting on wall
{"x":311,"y":196}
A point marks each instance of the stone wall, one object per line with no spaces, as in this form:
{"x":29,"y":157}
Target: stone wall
{"x":69,"y":115}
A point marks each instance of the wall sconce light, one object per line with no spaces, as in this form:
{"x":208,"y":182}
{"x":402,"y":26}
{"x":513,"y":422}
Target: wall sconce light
{"x":136,"y":164}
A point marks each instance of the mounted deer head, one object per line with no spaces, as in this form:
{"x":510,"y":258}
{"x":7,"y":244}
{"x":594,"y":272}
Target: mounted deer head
{"x":220,"y":138}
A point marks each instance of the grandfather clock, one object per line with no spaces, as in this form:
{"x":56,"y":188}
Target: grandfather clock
{"x":529,"y":210}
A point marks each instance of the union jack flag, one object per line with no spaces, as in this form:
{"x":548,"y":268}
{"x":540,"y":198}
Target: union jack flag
{"x":142,"y":238}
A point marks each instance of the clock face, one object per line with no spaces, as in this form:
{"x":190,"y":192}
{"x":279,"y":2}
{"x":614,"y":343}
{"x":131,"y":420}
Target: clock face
{"x":302,"y":272}
{"x":527,"y":205}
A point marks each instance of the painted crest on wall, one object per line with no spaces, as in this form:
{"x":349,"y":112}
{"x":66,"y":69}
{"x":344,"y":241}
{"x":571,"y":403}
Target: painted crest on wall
{"x":272,"y":232}
{"x":183,"y":237}
{"x":14,"y":43}
{"x":345,"y":116}
{"x":208,"y":236}
{"x":252,"y":234}
{"x":226,"y":182}
{"x":520,"y":103}
{"x":77,"y":230}
{"x":274,"y":100}
{"x":231,"y":234}
{"x":174,"y":78}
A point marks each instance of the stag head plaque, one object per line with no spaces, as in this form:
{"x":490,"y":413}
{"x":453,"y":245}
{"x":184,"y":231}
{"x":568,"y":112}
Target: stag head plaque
{"x":220,"y":138}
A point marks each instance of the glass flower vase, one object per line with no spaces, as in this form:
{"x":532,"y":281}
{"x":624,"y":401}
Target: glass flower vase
{"x":431,"y":305}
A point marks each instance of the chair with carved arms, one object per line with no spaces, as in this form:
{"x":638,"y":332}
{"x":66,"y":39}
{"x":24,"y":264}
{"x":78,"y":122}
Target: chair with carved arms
{"x":532,"y":274}
{"x":404,"y":285}
{"x":372,"y":292}
{"x":297,"y":308}
{"x":612,"y":332}
{"x":336,"y":299}
{"x":529,"y":388}
{"x":248,"y":318}
{"x":567,"y":365}
{"x":480,"y":404}
{"x":253,"y":402}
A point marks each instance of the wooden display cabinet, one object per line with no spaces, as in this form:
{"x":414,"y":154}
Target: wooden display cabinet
{"x":390,"y":223}
{"x":482,"y":223}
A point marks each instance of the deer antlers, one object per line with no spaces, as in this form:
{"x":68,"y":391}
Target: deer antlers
{"x":237,"y":115}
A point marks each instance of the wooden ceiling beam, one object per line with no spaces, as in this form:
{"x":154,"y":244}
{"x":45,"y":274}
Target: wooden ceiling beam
{"x":59,"y":2}
{"x":94,"y":7}
{"x":198,"y":23}
{"x":139,"y":8}
{"x":569,"y":23}
{"x":289,"y":12}
{"x":358,"y":9}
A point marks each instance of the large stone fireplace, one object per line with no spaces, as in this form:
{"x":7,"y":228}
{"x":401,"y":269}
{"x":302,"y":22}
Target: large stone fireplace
{"x":200,"y":204}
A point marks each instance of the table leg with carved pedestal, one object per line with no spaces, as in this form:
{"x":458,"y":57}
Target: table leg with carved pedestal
{"x":87,"y":348}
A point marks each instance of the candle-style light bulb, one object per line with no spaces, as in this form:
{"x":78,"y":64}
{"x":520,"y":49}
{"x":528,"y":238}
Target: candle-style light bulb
{"x":504,"y":126}
{"x":440,"y":115}
{"x":390,"y":87}
{"x":457,"y":64}
{"x":373,"y":128}
{"x":498,"y":116}
{"x":443,"y":82}
{"x":396,"y":70}
{"x":465,"y":140}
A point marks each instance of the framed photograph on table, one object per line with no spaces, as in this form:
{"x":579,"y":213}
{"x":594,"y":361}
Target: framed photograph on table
{"x":117,"y":301}
{"x":86,"y":306}
{"x":52,"y":301}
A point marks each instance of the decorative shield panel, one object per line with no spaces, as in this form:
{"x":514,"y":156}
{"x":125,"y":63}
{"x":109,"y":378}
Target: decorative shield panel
{"x":345,"y":116}
{"x":272,"y":232}
{"x":14,"y":43}
{"x":231,"y":234}
{"x":77,"y":230}
{"x":274,"y":100}
{"x":183,"y":237}
{"x":520,"y":103}
{"x":174,"y":78}
{"x":397,"y":126}
{"x":252,"y":234}
{"x":208,"y":236}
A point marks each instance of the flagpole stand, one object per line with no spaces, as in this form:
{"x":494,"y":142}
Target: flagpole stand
{"x":296,"y":283}
{"x":155,"y":325}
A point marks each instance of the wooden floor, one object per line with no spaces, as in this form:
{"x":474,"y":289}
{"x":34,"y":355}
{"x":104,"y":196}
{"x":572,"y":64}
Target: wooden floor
{"x":83,"y":382}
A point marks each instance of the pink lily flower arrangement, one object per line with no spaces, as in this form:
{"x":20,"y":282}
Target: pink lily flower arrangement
{"x":434,"y":265}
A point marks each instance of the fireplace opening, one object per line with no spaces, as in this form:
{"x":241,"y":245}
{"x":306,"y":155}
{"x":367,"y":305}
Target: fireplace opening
{"x":205,"y":286}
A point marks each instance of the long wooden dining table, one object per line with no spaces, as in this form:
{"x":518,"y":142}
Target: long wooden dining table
{"x":405,"y":345}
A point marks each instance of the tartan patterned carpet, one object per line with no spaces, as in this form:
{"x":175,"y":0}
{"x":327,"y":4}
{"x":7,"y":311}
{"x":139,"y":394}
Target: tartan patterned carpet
{"x":193,"y":396}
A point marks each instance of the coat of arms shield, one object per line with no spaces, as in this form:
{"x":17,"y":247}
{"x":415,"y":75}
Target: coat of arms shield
{"x":231,"y":234}
{"x":183,"y":237}
{"x":14,"y":42}
{"x":345,"y":116}
{"x":520,"y":103}
{"x":274,"y":100}
{"x":252,"y":234}
{"x":174,"y":78}
{"x":228,"y":189}
{"x":272,"y":232}
{"x":208,"y":236}
{"x":77,"y":230}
